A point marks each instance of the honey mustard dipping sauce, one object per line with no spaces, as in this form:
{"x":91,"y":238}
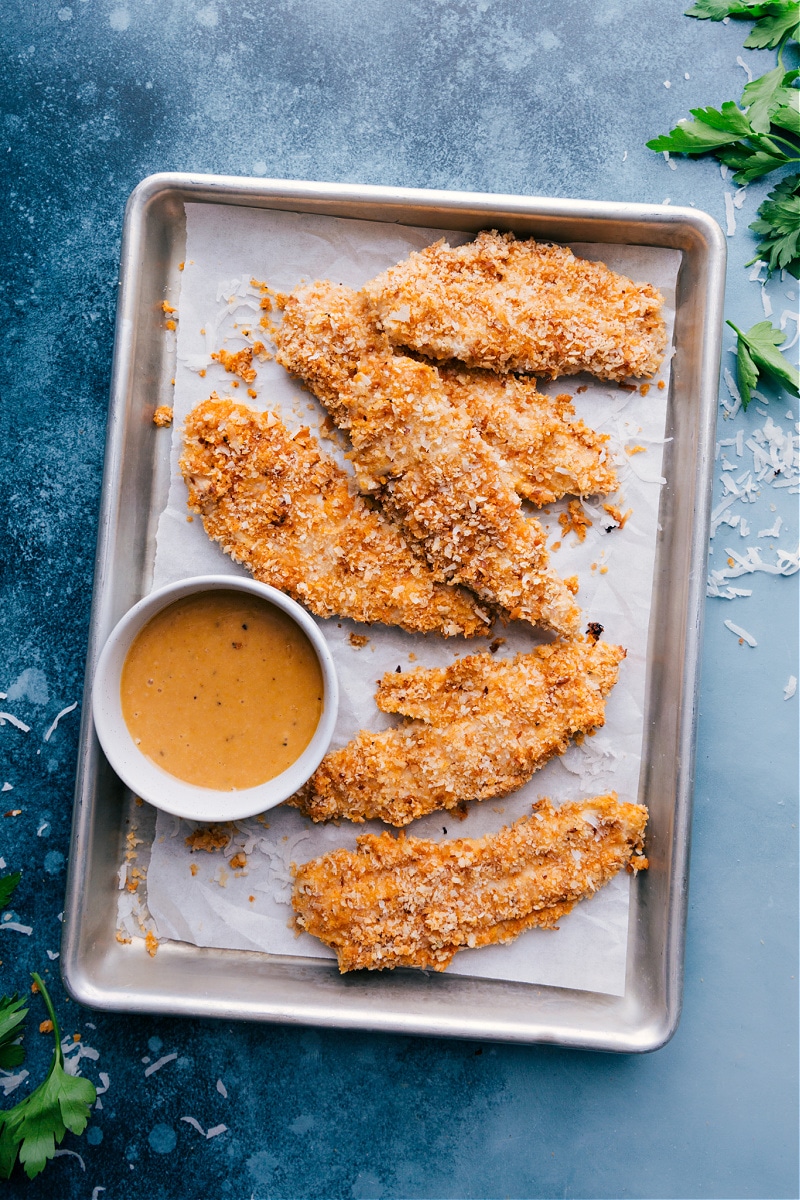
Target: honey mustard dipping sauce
{"x":222,"y":689}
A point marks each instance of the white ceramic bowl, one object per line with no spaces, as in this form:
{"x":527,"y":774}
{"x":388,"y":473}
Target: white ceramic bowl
{"x":150,"y":781}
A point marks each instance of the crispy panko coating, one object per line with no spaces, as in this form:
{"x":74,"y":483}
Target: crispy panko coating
{"x":521,"y":306}
{"x":547,"y":450}
{"x":407,"y":902}
{"x":424,"y":460}
{"x":477,"y":729}
{"x":278,"y":505}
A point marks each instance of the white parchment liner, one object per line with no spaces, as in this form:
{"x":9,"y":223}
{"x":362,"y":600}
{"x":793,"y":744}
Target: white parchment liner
{"x":227,"y":247}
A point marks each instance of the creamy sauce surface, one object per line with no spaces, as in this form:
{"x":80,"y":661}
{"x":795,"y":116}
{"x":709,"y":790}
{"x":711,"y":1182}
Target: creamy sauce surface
{"x":222,"y":690}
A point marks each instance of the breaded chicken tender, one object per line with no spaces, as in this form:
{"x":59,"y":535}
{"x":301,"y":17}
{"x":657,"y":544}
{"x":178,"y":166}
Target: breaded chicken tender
{"x":521,"y":306}
{"x":289,"y":514}
{"x":478,"y":729}
{"x":407,"y":902}
{"x":547,"y":450}
{"x":424,"y":460}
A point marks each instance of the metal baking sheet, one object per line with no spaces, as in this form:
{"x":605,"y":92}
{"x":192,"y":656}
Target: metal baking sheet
{"x":103,"y":973}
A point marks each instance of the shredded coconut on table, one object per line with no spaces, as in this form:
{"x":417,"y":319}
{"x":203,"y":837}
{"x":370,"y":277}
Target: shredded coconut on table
{"x":10,"y":1082}
{"x":63,"y":713}
{"x":215,"y":1131}
{"x":15,"y":721}
{"x":71,"y":1154}
{"x":791,"y":688}
{"x":741,"y":633}
{"x":159,"y":1063}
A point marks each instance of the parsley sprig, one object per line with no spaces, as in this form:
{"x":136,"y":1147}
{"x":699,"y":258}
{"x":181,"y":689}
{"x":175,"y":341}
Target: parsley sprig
{"x":754,"y":137}
{"x":779,"y":224}
{"x":758,"y":351}
{"x":760,"y":133}
{"x":34,"y":1127}
{"x":775,"y":21}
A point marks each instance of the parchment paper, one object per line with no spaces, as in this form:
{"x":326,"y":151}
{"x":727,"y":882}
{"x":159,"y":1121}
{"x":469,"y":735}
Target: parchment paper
{"x":226,"y":248}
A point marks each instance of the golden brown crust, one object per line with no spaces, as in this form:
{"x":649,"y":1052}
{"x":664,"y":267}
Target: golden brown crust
{"x":521,"y":306}
{"x":423,"y":458}
{"x":547,"y":450}
{"x":413,"y":903}
{"x":477,"y":729}
{"x":286,"y":511}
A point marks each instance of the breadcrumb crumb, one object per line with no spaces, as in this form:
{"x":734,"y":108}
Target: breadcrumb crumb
{"x":575,"y":520}
{"x":208,"y":837}
{"x":162,"y":415}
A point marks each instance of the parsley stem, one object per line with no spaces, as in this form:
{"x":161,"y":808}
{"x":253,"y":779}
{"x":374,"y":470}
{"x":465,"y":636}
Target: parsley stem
{"x":51,"y":1012}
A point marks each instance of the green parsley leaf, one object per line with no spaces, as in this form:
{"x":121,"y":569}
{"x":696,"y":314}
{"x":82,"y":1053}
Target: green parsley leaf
{"x":34,"y":1128}
{"x":770,"y":31}
{"x":12,"y":1016}
{"x":775,"y":19}
{"x":764,"y":96}
{"x":758,"y":351}
{"x":779,"y":224}
{"x":751,"y":164}
{"x":788,"y":117}
{"x":7,"y":885}
{"x":710,"y":130}
{"x":746,"y":372}
{"x":717,"y":10}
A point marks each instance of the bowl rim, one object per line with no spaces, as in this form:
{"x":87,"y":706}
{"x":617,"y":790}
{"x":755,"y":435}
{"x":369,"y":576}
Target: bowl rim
{"x":146,"y":778}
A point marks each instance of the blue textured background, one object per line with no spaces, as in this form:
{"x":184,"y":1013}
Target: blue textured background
{"x":493,"y":95}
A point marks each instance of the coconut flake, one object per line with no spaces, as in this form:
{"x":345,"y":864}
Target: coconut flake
{"x":740,"y":62}
{"x":159,"y":1063}
{"x":9,"y":1083}
{"x":758,"y":267}
{"x":790,"y":688}
{"x":741,"y":633}
{"x":15,"y":721}
{"x":730,"y":215}
{"x":216,"y":1131}
{"x":195,"y":1124}
{"x":774,"y":531}
{"x":730,"y":383}
{"x":63,"y":713}
{"x":72,"y":1154}
{"x":765,"y":301}
{"x":789,"y":314}
{"x":16,"y":927}
{"x":223,"y":1091}
{"x":7,"y":787}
